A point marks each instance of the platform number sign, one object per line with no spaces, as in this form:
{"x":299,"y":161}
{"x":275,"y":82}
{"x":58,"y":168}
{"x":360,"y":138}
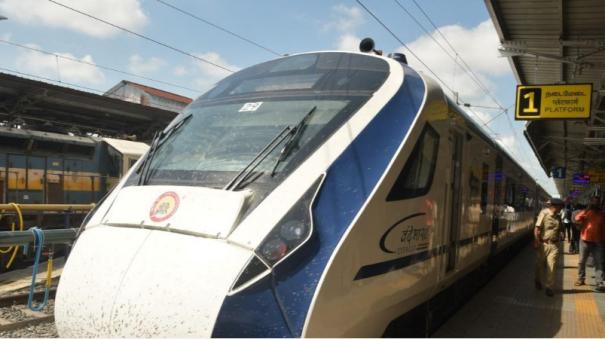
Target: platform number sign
{"x":558,"y":172}
{"x":529,"y":101}
{"x":553,"y":102}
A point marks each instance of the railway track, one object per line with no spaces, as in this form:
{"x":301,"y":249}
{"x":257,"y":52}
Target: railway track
{"x":16,"y":320}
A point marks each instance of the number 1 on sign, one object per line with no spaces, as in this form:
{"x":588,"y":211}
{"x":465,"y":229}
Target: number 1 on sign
{"x":531,"y":106}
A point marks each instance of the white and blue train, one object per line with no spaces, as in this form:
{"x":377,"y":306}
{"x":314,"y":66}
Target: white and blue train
{"x":320,"y":194}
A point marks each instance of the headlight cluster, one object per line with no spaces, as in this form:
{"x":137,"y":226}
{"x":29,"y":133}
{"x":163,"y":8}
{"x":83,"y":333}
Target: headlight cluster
{"x":290,"y":233}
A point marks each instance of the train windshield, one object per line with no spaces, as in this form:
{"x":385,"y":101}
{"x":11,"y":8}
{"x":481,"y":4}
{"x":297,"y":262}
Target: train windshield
{"x":235,"y":120}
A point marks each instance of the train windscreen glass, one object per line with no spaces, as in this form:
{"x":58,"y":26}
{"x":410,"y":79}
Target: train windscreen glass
{"x":235,"y":120}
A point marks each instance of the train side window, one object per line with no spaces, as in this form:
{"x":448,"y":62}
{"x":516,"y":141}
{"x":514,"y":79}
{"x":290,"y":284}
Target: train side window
{"x":484,"y":182}
{"x":417,"y":175}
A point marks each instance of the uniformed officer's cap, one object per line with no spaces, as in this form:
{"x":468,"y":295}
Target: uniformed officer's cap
{"x":555,"y":202}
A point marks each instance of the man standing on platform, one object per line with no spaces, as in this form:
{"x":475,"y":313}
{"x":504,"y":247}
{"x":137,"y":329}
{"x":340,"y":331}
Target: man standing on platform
{"x":546,"y":241}
{"x":566,"y":219}
{"x":591,"y":242}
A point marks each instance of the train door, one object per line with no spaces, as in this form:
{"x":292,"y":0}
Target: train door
{"x":456,"y":173}
{"x":54,"y":180}
{"x":498,"y":179}
{"x":36,"y":166}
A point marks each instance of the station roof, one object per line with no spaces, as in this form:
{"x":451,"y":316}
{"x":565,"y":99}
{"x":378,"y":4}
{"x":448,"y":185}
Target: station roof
{"x":559,"y":42}
{"x":152,"y":91}
{"x":44,"y":106}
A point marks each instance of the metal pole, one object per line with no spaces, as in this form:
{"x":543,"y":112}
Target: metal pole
{"x":55,"y":236}
{"x":48,"y":207}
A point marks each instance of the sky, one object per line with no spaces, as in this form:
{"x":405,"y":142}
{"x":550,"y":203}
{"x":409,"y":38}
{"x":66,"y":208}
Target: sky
{"x":106,"y":54}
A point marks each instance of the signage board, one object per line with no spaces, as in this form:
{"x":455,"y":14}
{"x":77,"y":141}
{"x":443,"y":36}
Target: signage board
{"x":537,"y":102}
{"x":558,"y":172}
{"x":596,"y":176}
{"x":581,"y":179}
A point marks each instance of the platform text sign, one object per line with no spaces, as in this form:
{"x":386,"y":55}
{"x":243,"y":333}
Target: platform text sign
{"x":553,"y":102}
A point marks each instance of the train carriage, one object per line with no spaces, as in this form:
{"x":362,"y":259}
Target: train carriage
{"x":87,"y":167}
{"x":320,"y":194}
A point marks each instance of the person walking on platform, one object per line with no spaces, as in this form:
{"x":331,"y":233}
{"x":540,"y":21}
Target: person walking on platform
{"x":546,"y":241}
{"x":566,"y":219}
{"x":592,"y":220}
{"x":574,"y":246}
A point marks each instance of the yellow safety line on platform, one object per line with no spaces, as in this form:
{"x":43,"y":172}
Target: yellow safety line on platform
{"x":588,"y":320}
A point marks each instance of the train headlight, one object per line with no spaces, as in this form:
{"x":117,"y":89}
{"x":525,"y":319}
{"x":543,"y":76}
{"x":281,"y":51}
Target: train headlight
{"x":290,"y":233}
{"x":273,"y":250}
{"x":292,"y":230}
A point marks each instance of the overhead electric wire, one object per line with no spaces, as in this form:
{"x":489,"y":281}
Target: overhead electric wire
{"x":468,"y":68}
{"x":464,"y":66}
{"x":494,"y":118}
{"x":220,"y":28}
{"x":412,"y":52}
{"x":98,"y":66}
{"x":483,"y":123}
{"x":176,"y":49}
{"x":403,"y":44}
{"x":472,"y":75}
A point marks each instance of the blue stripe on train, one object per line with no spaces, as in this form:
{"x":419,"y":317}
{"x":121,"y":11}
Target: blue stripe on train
{"x":348,"y":184}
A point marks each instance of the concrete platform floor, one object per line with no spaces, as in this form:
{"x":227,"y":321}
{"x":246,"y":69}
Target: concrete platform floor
{"x":510,"y":306}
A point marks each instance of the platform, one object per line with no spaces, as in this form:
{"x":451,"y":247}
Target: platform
{"x":510,"y":306}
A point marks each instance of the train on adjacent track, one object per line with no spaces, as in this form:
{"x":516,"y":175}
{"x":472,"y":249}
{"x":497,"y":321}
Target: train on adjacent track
{"x":47,"y":167}
{"x":320,"y":194}
{"x":39,"y":167}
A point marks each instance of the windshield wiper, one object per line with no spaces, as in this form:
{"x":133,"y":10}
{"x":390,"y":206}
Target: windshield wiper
{"x":158,"y":139}
{"x":258,"y":158}
{"x":294,"y":132}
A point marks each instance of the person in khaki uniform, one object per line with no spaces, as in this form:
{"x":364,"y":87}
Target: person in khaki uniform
{"x":546,"y":241}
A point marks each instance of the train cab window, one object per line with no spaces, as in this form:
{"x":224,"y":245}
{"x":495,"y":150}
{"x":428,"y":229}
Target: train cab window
{"x":233,"y":122}
{"x":417,"y":175}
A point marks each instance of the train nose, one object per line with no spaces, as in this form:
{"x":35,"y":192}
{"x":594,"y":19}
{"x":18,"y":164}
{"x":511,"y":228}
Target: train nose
{"x":139,"y":282}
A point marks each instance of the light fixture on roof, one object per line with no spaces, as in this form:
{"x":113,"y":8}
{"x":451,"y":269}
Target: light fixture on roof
{"x":367,"y":45}
{"x":512,"y":52}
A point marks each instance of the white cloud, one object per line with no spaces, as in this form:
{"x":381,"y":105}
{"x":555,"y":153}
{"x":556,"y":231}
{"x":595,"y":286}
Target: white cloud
{"x":346,"y":20}
{"x":6,"y":36}
{"x":138,"y":64}
{"x":477,"y":46}
{"x":58,"y":68}
{"x":348,"y":42}
{"x":179,"y":71}
{"x":207,"y":74}
{"x":125,"y":13}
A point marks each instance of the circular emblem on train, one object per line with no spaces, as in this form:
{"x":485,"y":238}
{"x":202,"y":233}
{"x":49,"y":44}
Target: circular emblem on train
{"x":164,"y":206}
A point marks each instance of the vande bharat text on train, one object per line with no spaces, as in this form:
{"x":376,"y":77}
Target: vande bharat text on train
{"x":320,"y":194}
